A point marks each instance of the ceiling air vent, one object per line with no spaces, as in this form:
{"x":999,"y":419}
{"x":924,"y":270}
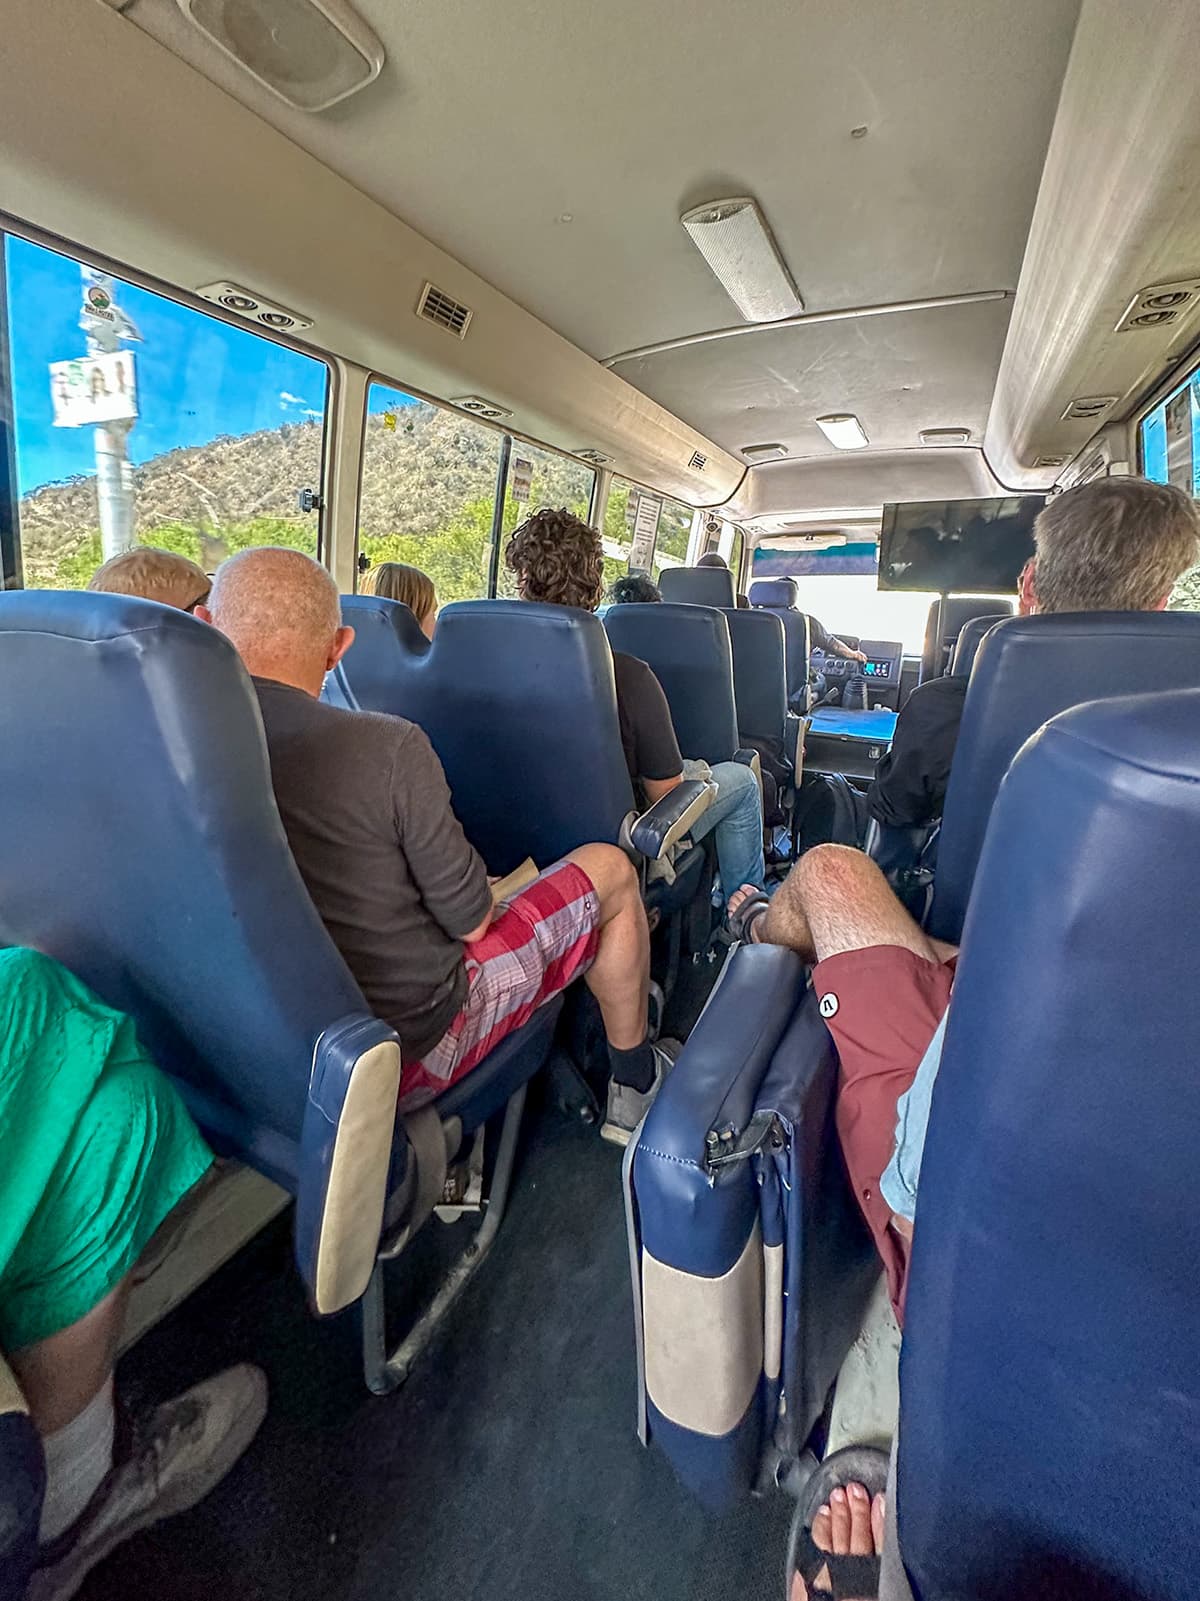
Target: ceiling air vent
{"x":945,"y":436}
{"x":1160,"y":305}
{"x":697,"y":461}
{"x":1088,"y":407}
{"x":436,"y":306}
{"x":479,"y":407}
{"x":597,"y":458}
{"x":251,"y":305}
{"x":1050,"y":461}
{"x":757,"y":453}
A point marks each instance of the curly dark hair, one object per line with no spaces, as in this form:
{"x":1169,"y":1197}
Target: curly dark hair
{"x":558,"y":559}
{"x":633,"y":589}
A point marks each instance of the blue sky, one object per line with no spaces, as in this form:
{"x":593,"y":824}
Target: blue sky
{"x":197,"y":377}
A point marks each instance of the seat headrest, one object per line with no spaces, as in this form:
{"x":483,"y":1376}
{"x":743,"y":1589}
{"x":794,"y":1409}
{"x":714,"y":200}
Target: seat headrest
{"x":970,"y":637}
{"x":698,"y":586}
{"x":1028,"y":670}
{"x":1049,"y":1361}
{"x":781,"y":593}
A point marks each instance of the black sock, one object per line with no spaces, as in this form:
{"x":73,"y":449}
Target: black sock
{"x":633,"y":1068}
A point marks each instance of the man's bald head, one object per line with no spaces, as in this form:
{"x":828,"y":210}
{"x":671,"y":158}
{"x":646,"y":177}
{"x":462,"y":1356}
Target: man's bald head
{"x":281,"y":611}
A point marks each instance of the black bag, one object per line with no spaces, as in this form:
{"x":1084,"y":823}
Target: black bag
{"x":829,"y":811}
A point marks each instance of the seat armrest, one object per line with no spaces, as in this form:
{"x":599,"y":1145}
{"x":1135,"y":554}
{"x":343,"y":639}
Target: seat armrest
{"x":345,"y":1157}
{"x":794,"y":731}
{"x":668,"y":820}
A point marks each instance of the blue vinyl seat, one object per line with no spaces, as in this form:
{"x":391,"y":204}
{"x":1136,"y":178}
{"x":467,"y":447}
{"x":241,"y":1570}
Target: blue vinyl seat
{"x":1049,"y":1384}
{"x":782,"y":597}
{"x":946,"y":619}
{"x":1027,"y":670}
{"x":687,"y":648}
{"x":698,"y":586}
{"x":140,"y":845}
{"x":970,"y":636}
{"x":739,"y":1204}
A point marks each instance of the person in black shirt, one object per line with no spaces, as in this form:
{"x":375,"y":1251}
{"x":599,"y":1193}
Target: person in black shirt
{"x":558,"y":559}
{"x":1117,"y":544}
{"x":819,"y":638}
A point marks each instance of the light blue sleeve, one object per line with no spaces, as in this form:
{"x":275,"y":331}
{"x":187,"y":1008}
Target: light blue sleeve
{"x":902,"y":1174}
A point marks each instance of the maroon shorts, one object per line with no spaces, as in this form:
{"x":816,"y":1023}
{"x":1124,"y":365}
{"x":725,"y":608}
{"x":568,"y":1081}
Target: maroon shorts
{"x":541,"y":940}
{"x":882,"y":1005}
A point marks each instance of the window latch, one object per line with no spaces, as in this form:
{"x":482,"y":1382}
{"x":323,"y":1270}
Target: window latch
{"x":311,"y":500}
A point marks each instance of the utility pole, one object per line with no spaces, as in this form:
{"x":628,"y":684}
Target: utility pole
{"x":104,"y":327}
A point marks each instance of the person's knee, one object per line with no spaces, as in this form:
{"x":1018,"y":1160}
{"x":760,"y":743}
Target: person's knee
{"x":612,"y":874}
{"x":837,"y":870}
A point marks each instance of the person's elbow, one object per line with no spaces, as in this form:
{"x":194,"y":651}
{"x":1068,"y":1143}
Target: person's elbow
{"x":657,"y":788}
{"x":480,"y":929}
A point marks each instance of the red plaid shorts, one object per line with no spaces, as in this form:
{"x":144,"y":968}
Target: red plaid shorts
{"x":542,"y":940}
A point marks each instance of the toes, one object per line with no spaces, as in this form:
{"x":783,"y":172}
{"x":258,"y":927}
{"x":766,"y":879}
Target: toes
{"x":859,"y":1502}
{"x":878,"y":1514}
{"x":799,"y":1588}
{"x":822,"y":1531}
{"x":839,"y":1522}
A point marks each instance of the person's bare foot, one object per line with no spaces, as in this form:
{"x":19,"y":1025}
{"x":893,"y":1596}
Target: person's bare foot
{"x":739,"y":899}
{"x":849,"y":1524}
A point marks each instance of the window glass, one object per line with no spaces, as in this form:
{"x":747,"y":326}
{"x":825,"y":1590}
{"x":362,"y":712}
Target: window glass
{"x":428,"y":491}
{"x":538,"y":478}
{"x":1169,"y":438}
{"x":851,"y":604}
{"x":736,"y":556}
{"x":674,"y":530}
{"x":205,"y":433}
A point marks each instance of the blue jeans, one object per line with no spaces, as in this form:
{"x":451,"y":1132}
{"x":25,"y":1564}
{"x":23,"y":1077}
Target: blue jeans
{"x":736,"y":818}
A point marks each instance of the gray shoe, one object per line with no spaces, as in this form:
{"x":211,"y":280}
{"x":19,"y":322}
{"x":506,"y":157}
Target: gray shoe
{"x":627,"y":1107}
{"x":186,"y":1448}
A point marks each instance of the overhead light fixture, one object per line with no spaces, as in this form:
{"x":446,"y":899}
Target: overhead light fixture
{"x":311,"y":53}
{"x":757,"y":453}
{"x":733,"y":238}
{"x":945,"y":436}
{"x":843,"y":431}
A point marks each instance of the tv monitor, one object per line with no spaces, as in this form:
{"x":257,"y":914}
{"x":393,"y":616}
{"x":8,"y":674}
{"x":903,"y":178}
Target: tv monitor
{"x":957,"y":547}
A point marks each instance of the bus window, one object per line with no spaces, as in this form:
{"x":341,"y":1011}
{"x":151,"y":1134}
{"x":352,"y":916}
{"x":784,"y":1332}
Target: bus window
{"x":626,"y":502}
{"x":539,"y":478}
{"x":736,"y":557}
{"x":851,"y":604}
{"x":1169,"y":445}
{"x":428,"y":491}
{"x":143,"y":421}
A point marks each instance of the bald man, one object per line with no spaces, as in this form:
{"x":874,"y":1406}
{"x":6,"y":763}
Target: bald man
{"x":405,"y":897}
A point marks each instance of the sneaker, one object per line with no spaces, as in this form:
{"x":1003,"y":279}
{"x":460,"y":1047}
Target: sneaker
{"x":185,"y":1448}
{"x":627,"y":1107}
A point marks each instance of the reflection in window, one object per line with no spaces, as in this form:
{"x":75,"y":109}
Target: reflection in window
{"x":537,"y":479}
{"x":428,"y":489}
{"x":205,"y":434}
{"x":736,"y":556}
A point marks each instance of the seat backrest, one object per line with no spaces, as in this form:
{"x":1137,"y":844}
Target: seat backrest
{"x":970,"y":637}
{"x":1029,"y":669}
{"x":944,"y":623}
{"x":777,"y":593}
{"x":688,"y":650}
{"x":698,"y":586}
{"x":759,"y":673}
{"x":381,"y":627}
{"x":140,"y":845}
{"x":1049,"y":1383}
{"x":518,"y":701}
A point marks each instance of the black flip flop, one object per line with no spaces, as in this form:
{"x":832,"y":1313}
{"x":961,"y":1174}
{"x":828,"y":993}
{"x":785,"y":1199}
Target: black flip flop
{"x":752,"y":908}
{"x":852,"y":1578}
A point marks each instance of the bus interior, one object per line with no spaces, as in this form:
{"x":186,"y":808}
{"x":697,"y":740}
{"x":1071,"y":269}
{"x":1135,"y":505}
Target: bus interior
{"x":376,"y":282}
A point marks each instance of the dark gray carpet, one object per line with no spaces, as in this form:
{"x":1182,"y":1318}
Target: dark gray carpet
{"x":506,"y":1467}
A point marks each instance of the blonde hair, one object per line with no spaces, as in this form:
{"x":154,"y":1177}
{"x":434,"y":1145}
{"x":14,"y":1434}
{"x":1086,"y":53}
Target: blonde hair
{"x":152,"y":574}
{"x":1117,"y":544}
{"x":396,"y":580}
